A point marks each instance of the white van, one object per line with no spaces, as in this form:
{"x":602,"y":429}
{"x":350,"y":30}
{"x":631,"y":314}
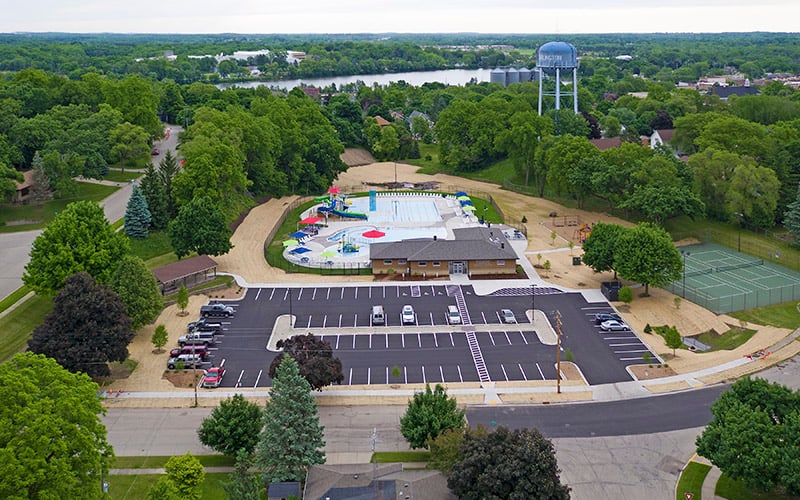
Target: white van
{"x":378,"y":316}
{"x":453,"y":316}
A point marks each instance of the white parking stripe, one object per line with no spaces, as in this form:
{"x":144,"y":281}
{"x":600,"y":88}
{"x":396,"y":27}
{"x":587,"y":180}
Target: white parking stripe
{"x":271,"y":294}
{"x":369,"y":375}
{"x":300,"y":295}
{"x":460,"y":378}
{"x":441,"y":373}
{"x":424,"y":381}
{"x":370,"y":341}
{"x":309,"y":322}
{"x":314,"y":295}
{"x":257,"y":379}
{"x":356,"y":297}
{"x":354,"y":342}
{"x":328,"y":295}
{"x":387,"y":342}
{"x":484,"y":318}
{"x":540,"y":370}
{"x":405,"y":374}
{"x":370,"y":292}
{"x":435,"y":341}
{"x":341,"y":295}
{"x":523,"y":371}
{"x":324,"y":321}
{"x":419,"y":340}
{"x":504,"y":371}
{"x":523,"y":337}
{"x":621,"y":345}
{"x":286,"y":295}
{"x":337,"y":341}
{"x":259,"y":293}
{"x":387,"y":374}
{"x":239,"y":380}
{"x":508,"y":339}
{"x":452,"y":342}
{"x":492,"y":338}
{"x":384,"y":291}
{"x":350,"y":379}
{"x":403,"y":338}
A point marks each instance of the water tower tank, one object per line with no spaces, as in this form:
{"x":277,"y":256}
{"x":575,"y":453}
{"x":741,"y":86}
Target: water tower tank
{"x":497,"y":75}
{"x":557,"y":55}
{"x":512,"y":76}
{"x":524,"y":74}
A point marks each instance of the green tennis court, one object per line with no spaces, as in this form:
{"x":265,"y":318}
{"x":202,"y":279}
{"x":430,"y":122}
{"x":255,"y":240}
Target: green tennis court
{"x":723,"y":280}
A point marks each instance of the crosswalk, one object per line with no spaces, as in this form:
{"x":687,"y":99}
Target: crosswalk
{"x":524,"y":291}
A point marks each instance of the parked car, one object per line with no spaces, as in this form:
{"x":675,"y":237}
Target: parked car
{"x":213,"y":376}
{"x":188,"y":360}
{"x":453,"y":316}
{"x":200,"y":350}
{"x":197,"y":338}
{"x":600,"y":317}
{"x":408,"y":316}
{"x":507,"y":316}
{"x":216,"y":310}
{"x":613,"y":325}
{"x":204,"y":324}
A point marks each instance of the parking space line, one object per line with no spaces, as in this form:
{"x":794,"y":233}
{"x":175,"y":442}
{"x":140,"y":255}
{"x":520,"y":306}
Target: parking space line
{"x":387,"y":344}
{"x":398,"y":292}
{"x":355,"y":319}
{"x":632,"y":350}
{"x":369,"y":293}
{"x":286,"y":295}
{"x":419,"y":340}
{"x":435,"y":342}
{"x":523,"y":371}
{"x":492,"y":338}
{"x":271,"y":294}
{"x":504,"y":371}
{"x":328,"y":295}
{"x":354,"y":342}
{"x":452,"y":342}
{"x":441,"y":373}
{"x":460,"y":378}
{"x":387,"y":374}
{"x":258,"y":378}
{"x":356,"y":297}
{"x":350,"y":379}
{"x":337,"y":341}
{"x":540,"y":371}
{"x":405,"y":374}
{"x":621,"y":345}
{"x":370,"y":341}
{"x":258,"y":293}
{"x":523,"y":338}
{"x":369,"y":375}
{"x":341,"y":296}
{"x":340,"y":321}
{"x":508,"y":339}
{"x":239,"y":380}
{"x":424,"y":381}
{"x":431,"y":314}
{"x":637,"y":358}
{"x":384,"y":296}
{"x":314,"y":294}
{"x":309,"y":322}
{"x":403,"y":339}
{"x":484,"y":318}
{"x":300,"y":295}
{"x":324,"y":321}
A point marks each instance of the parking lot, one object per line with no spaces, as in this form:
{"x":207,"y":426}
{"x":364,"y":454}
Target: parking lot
{"x":429,"y":350}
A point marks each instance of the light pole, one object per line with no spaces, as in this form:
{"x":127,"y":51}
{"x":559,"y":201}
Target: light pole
{"x":685,"y":254}
{"x":741,"y":221}
{"x":533,"y":305}
{"x":291,"y":316}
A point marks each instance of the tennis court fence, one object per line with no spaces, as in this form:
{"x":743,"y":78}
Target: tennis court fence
{"x":739,"y":301}
{"x":722,"y":269}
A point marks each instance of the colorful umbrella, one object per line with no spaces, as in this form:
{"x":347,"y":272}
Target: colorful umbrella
{"x":463,"y":198}
{"x":328,"y":253}
{"x":310,"y":220}
{"x":299,"y":250}
{"x":373,"y":234}
{"x":334,"y":190}
{"x":468,"y":208}
{"x":460,"y":193}
{"x":290,"y":243}
{"x":467,"y":202}
{"x":299,"y":235}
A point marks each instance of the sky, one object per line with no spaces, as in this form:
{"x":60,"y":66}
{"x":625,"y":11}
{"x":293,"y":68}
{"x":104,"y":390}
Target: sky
{"x":406,"y":16}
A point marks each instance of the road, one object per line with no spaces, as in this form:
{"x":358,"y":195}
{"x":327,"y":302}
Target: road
{"x":15,"y":247}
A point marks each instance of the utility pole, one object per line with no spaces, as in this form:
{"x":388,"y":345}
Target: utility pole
{"x":558,"y":351}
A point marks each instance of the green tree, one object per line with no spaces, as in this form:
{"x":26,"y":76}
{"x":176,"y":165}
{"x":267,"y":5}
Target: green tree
{"x":507,"y":464}
{"x":87,"y":328}
{"x":754,"y":193}
{"x":387,"y":148}
{"x":168,"y":168}
{"x":163,"y":489}
{"x":712,"y":172}
{"x":130,"y":143}
{"x":673,"y":338}
{"x":78,"y":239}
{"x":187,"y":474}
{"x":446,"y":448}
{"x":599,"y":247}
{"x":137,"y":215}
{"x":138,"y":289}
{"x":53,"y":442}
{"x":233,"y":426}
{"x":791,"y":218}
{"x":155,"y":194}
{"x":242,"y":484}
{"x":521,"y":140}
{"x":292,"y":438}
{"x":7,"y":178}
{"x":200,"y":227}
{"x":645,"y":254}
{"x":625,"y":294}
{"x":429,"y":414}
{"x":183,"y":299}
{"x":160,"y":338}
{"x":753,"y":435}
{"x":314,"y":359}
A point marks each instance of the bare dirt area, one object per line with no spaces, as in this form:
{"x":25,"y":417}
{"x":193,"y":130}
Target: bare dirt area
{"x":650,"y":372}
{"x":354,"y":157}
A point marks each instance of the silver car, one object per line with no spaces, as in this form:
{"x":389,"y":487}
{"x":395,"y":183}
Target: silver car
{"x":507,"y":316}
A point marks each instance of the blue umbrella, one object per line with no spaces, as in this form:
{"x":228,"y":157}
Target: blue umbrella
{"x":299,"y":250}
{"x":299,"y":235}
{"x":461,"y":193}
{"x":465,"y":203}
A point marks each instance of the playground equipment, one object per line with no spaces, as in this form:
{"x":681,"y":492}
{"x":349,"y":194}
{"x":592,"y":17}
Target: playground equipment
{"x":582,"y":233}
{"x":565,"y":220}
{"x":339,"y":205}
{"x":345,"y":246}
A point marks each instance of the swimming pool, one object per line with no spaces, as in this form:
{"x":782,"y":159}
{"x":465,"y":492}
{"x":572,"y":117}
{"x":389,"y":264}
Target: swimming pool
{"x":389,"y":209}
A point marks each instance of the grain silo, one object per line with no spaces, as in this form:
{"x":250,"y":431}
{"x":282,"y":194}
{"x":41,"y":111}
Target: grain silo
{"x":524,"y":75}
{"x":497,"y":75}
{"x":512,"y":76}
{"x":552,"y":59}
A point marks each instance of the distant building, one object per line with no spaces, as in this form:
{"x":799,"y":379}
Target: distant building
{"x":23,"y":189}
{"x":383,"y":122}
{"x":295,"y":57}
{"x":659,"y":137}
{"x":725,"y":92}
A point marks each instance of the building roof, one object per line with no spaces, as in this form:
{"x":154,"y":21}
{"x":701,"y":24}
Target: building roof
{"x":284,"y":489}
{"x":474,"y":243}
{"x":371,"y":482}
{"x":27,"y":180}
{"x":184,"y":268}
{"x":725,"y":92}
{"x":382,"y":121}
{"x":606,"y":143}
{"x":665,"y":134}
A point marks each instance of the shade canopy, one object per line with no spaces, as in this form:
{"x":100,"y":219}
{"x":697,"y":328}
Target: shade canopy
{"x":298,"y":234}
{"x":290,"y":243}
{"x":310,"y":220}
{"x":374,"y":233}
{"x":466,"y":202}
{"x":334,"y":190}
{"x":460,"y":193}
{"x":468,"y":208}
{"x":328,"y":253}
{"x":299,"y":250}
{"x":463,"y":198}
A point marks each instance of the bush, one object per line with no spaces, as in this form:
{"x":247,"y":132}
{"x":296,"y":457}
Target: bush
{"x":625,"y":294}
{"x":648,"y":328}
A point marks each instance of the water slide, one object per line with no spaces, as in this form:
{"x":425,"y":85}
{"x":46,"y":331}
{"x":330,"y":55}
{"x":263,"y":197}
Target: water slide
{"x":349,"y":215}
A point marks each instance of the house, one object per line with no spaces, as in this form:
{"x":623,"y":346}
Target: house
{"x":23,"y":192}
{"x":725,"y":92}
{"x":474,"y":250}
{"x":659,"y":137}
{"x":607,"y":143}
{"x":375,"y":481}
{"x":383,"y":122}
{"x":312,"y":92}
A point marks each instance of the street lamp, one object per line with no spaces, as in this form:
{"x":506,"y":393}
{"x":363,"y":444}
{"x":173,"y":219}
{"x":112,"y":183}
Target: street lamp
{"x":533,"y":305}
{"x":741,"y":221}
{"x":291,"y":316}
{"x":685,"y":254}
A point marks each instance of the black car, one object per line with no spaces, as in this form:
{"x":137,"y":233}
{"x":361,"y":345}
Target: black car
{"x":600,"y":317}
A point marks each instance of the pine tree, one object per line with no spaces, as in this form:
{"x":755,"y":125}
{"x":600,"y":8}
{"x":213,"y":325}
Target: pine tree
{"x":167,"y":169}
{"x":155,"y":193}
{"x":40,"y":190}
{"x":291,"y":440}
{"x":791,"y":218}
{"x":242,"y":484}
{"x":137,"y":215}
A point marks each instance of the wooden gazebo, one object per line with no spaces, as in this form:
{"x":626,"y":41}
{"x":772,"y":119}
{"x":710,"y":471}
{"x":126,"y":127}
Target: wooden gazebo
{"x":189,"y":272}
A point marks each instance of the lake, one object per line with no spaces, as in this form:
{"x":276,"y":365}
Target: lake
{"x":415,"y":78}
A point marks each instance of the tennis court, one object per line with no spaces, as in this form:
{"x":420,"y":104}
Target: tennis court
{"x":723,"y":280}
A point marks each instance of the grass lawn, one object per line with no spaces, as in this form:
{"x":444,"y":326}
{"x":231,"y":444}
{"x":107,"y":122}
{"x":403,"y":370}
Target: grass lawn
{"x":31,"y":216}
{"x":18,"y":325}
{"x":736,"y":490}
{"x":728,"y":341}
{"x":155,"y":462}
{"x":155,"y":245}
{"x":384,"y":457}
{"x":136,"y":487}
{"x":14,"y":297}
{"x":781,"y":315}
{"x":431,"y":166}
{"x":691,"y":481}
{"x":120,"y":176}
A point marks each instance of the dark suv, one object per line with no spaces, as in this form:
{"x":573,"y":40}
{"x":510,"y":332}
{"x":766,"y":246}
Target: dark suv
{"x":600,"y":317}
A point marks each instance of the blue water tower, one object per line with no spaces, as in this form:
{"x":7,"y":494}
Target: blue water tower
{"x":552,"y":59}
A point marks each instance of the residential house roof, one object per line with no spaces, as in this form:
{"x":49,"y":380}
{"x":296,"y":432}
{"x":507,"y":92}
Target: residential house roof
{"x":27,"y":180}
{"x":726,"y":92}
{"x":382,"y":121}
{"x":606,"y":143}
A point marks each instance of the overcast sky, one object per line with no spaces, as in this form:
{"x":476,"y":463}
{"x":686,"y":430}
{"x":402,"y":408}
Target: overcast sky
{"x":406,"y":16}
